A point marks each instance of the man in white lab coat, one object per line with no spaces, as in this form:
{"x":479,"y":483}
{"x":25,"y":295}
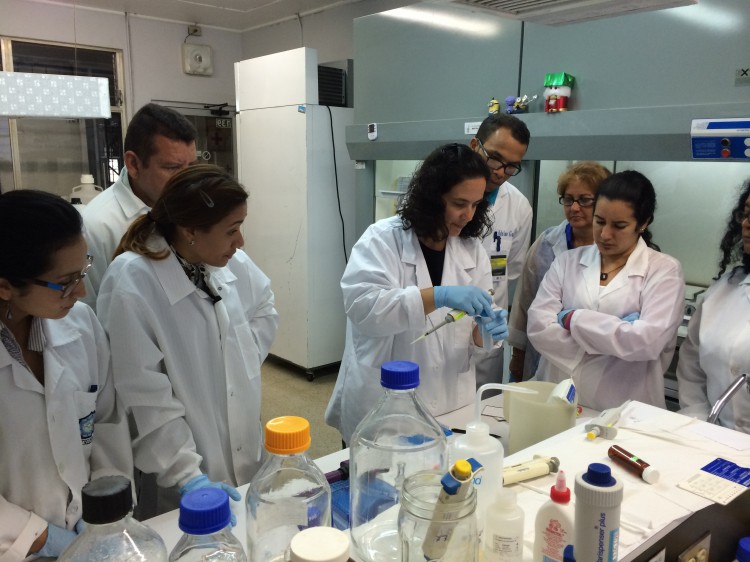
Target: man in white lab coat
{"x":502,"y":140}
{"x":159,"y":143}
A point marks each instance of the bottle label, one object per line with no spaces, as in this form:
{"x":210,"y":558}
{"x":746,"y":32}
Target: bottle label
{"x":554,"y":537}
{"x":506,"y":545}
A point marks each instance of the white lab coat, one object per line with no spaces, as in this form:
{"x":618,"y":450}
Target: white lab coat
{"x":105,"y":221}
{"x":189,"y":370}
{"x":384,"y":311}
{"x":550,"y":244}
{"x":47,"y":452}
{"x":610,"y":360}
{"x":717,"y":351}
{"x":506,"y":245}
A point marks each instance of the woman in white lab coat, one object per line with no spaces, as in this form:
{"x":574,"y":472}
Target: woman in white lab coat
{"x":607,"y":315}
{"x":717,"y":348}
{"x":577,"y":187}
{"x":60,"y":426}
{"x":405,"y":274}
{"x":191,"y":318}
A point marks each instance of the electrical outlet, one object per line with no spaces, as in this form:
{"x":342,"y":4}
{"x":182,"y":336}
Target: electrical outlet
{"x":698,"y":552}
{"x":194,"y":30}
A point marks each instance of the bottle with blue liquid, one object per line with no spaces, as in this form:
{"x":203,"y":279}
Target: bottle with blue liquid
{"x":398,"y":438}
{"x":289,"y":492}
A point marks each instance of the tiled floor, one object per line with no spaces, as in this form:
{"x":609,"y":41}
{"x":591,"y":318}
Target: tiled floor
{"x":286,"y":391}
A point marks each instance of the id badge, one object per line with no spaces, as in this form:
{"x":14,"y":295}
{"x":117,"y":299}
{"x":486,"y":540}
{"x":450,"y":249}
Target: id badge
{"x":498,"y":263}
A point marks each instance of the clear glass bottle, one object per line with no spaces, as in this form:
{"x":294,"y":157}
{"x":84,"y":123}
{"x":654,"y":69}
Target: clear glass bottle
{"x":398,"y":438}
{"x":433,"y":525}
{"x":289,"y":492}
{"x":111,"y":533}
{"x":205,"y":519}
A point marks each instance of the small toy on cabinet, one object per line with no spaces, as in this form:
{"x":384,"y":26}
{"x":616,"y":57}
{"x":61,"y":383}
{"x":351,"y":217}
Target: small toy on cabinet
{"x":519,"y":104}
{"x":557,"y":91}
{"x":493,"y":107}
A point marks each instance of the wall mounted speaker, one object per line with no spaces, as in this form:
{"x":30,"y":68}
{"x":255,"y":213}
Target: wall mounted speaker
{"x":196,"y":59}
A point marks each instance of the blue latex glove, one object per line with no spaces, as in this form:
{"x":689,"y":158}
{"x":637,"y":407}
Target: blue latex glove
{"x":472,"y":300}
{"x":497,"y":327}
{"x":202,"y":481}
{"x":58,"y":540}
{"x":561,"y":316}
{"x":632,"y":317}
{"x":80,"y":526}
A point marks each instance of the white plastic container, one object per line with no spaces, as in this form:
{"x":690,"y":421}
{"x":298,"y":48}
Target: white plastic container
{"x":554,"y":524}
{"x":86,"y":191}
{"x":205,"y":519}
{"x":503,"y":529}
{"x":597,"y":514}
{"x":477,"y":443}
{"x":111,"y":533}
{"x":398,"y":438}
{"x":319,"y":544}
{"x":289,"y":492}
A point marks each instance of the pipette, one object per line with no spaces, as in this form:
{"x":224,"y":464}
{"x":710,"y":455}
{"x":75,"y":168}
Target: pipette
{"x":451,"y":317}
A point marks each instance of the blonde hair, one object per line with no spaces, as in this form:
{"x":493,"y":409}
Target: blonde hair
{"x":586,"y":171}
{"x":199,"y":196}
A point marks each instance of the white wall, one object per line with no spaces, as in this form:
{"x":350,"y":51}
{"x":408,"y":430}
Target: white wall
{"x":330,"y":32}
{"x":153,"y":51}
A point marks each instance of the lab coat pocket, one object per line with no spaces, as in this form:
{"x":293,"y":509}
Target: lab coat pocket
{"x":462,"y":343}
{"x":248,"y":349}
{"x":85,"y":410}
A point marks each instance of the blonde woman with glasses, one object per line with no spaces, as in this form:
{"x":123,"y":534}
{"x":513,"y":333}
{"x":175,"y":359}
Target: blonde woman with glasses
{"x":191,"y":318}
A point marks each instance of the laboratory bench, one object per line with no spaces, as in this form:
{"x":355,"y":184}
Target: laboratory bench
{"x":653,"y":517}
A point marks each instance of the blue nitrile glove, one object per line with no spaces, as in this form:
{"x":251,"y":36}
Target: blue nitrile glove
{"x":80,"y":526}
{"x":632,"y":317}
{"x":498,"y":326}
{"x":472,"y":300}
{"x":561,"y":317}
{"x":58,"y":540}
{"x":202,"y":481}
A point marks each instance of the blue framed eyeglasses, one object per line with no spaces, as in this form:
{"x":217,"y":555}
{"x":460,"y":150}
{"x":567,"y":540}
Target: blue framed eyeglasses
{"x":68,"y":288}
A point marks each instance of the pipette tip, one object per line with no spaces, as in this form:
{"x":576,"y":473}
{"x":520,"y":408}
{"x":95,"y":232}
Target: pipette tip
{"x":420,"y":338}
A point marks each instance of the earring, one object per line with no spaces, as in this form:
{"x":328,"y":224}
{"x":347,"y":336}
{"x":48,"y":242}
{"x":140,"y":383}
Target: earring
{"x":8,"y":312}
{"x":191,"y":242}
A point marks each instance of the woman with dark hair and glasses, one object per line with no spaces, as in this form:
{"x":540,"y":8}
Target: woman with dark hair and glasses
{"x":717,"y":348}
{"x":60,"y":426}
{"x":191,"y":318}
{"x":405,"y":274}
{"x":576,"y":187}
{"x":607,"y":314}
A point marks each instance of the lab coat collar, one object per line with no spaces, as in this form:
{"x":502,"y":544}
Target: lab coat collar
{"x":455,"y":250}
{"x":172,"y":277}
{"x":637,"y":265}
{"x":130,"y":204}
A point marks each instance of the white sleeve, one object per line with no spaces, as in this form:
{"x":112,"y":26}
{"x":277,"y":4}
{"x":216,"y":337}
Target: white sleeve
{"x":263,"y":318}
{"x":18,"y":531}
{"x":692,"y":380}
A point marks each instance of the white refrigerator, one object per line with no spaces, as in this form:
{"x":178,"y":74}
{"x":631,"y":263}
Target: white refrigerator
{"x":294,"y":231}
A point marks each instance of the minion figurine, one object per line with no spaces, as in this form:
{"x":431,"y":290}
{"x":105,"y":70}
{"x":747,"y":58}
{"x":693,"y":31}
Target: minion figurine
{"x":493,"y":107}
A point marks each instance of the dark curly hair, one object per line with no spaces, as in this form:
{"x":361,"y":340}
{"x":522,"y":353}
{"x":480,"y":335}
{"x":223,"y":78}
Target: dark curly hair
{"x":423,"y":208}
{"x":637,"y":190}
{"x":731,"y":246}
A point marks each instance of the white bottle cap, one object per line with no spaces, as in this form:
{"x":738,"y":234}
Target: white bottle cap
{"x":650,"y":475}
{"x":87,"y":178}
{"x":319,"y":544}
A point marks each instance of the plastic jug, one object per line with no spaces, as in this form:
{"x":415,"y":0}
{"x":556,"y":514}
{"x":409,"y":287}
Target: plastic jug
{"x":205,"y":519}
{"x":398,"y":438}
{"x":111,"y":533}
{"x":533,"y":418}
{"x":287,"y":494}
{"x":86,"y":191}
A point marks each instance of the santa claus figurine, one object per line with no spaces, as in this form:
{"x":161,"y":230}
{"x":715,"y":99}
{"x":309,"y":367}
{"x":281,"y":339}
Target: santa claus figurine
{"x":557,"y":91}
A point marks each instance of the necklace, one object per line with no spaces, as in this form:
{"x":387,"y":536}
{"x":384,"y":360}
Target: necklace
{"x":605,"y":275}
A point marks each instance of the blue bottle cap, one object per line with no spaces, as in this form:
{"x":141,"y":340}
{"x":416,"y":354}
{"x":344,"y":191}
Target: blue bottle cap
{"x":204,"y":511}
{"x":600,"y":475}
{"x":399,"y":375}
{"x":568,"y":555}
{"x":743,"y":550}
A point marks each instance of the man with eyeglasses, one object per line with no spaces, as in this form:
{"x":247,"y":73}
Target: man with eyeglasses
{"x":159,"y":143}
{"x":502,"y":140}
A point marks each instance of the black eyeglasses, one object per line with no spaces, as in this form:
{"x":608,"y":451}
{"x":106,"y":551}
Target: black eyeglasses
{"x":741,"y":216}
{"x":568,"y":201}
{"x":68,"y":288}
{"x":494,"y":164}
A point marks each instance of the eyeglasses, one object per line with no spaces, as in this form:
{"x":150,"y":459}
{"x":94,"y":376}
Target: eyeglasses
{"x":568,"y":201}
{"x":494,"y":164}
{"x":68,"y":288}
{"x":740,"y":216}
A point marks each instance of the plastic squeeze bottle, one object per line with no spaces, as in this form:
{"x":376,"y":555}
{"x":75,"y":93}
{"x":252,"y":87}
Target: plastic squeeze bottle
{"x":503,"y":529}
{"x":554,"y":524}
